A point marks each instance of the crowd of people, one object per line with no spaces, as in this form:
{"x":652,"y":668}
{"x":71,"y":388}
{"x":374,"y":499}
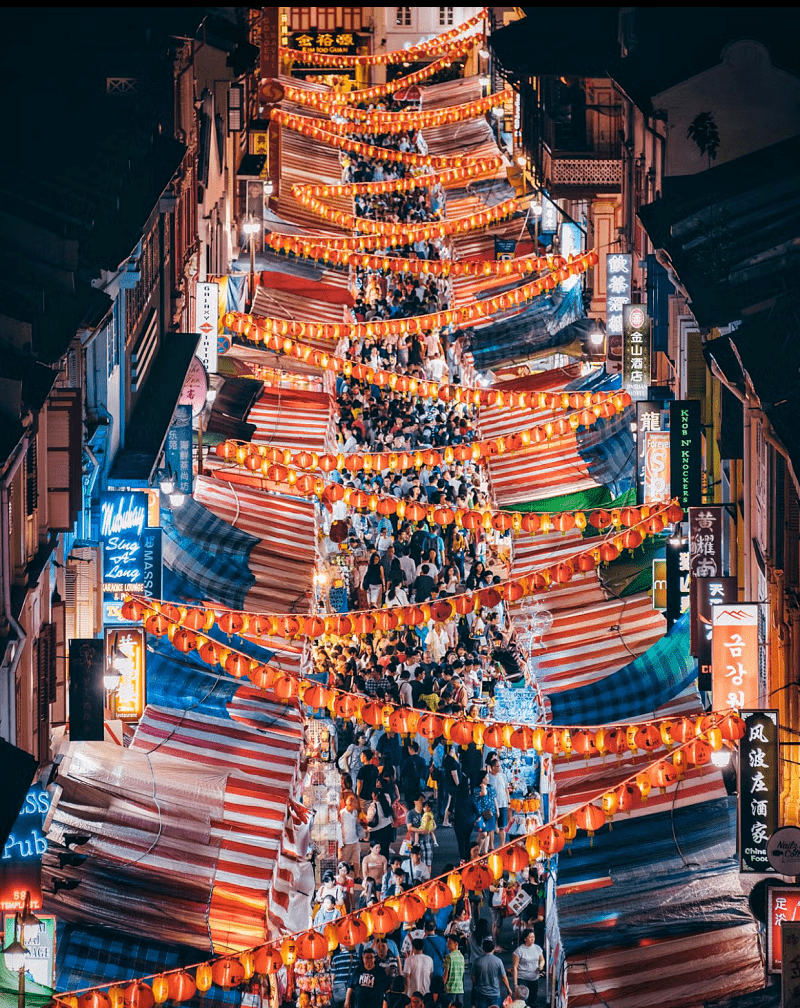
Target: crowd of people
{"x":399,"y":793}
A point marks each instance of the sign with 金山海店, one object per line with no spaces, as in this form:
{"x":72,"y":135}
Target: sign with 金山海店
{"x":635,"y":351}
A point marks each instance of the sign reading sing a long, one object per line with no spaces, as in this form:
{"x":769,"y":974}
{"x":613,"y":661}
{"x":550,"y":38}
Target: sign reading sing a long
{"x":123,"y":520}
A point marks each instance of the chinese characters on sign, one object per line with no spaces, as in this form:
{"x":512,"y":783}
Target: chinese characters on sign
{"x":336,"y":43}
{"x":758,"y":788}
{"x":125,"y":654}
{"x":685,"y":451}
{"x":705,"y":594}
{"x":783,"y":906}
{"x":635,"y":351}
{"x":178,"y":447}
{"x":734,"y":655}
{"x":705,"y":541}
{"x":655,"y":475}
{"x":678,"y":578}
{"x":618,"y":294}
{"x":207,"y":308}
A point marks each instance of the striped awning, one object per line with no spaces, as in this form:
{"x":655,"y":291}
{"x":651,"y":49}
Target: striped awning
{"x":262,"y":823}
{"x":686,"y":971}
{"x":294,"y":418}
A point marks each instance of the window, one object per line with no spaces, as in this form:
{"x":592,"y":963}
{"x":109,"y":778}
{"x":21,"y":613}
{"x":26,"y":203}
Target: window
{"x":403,"y":17}
{"x":326,"y":18}
{"x":445,"y":16}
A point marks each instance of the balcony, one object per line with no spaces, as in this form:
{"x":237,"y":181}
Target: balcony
{"x":584,"y":173}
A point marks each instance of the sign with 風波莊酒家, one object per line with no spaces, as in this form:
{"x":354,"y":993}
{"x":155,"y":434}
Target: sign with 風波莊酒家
{"x":758,"y":788}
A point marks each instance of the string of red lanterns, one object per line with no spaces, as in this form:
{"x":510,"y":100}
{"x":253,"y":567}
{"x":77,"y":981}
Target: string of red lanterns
{"x":447,"y":176}
{"x":309,"y":127}
{"x":390,"y":122}
{"x":367,"y":621}
{"x":339,"y":61}
{"x":330,"y":100}
{"x":231,"y":969}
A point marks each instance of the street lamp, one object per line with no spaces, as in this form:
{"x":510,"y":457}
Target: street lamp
{"x":251,"y":228}
{"x":15,"y":953}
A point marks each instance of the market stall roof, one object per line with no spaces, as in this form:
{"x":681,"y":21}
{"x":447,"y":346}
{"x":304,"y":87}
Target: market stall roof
{"x":294,"y":418}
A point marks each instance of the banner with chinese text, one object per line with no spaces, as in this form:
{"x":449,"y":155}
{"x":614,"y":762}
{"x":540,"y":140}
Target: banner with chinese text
{"x":758,"y":789}
{"x":705,"y":593}
{"x":636,"y":364}
{"x":618,"y":294}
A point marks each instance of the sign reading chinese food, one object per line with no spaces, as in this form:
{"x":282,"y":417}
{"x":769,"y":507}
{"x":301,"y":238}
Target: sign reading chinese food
{"x":758,"y":788}
{"x":734,"y":655}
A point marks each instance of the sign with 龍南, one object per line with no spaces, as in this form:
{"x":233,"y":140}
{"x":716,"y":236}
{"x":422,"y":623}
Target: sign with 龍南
{"x":758,"y":789}
{"x":734,"y":655}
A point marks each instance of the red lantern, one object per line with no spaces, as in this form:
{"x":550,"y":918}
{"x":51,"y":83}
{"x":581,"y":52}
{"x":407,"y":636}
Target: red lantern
{"x":382,"y":919}
{"x":648,"y":737}
{"x":600,"y":519}
{"x":352,"y":931}
{"x":372,"y":714}
{"x":267,"y":959}
{"x":430,"y":726}
{"x":138,"y":995}
{"x":663,"y":775}
{"x":550,"y":839}
{"x":437,"y":895}
{"x":496,"y":736}
{"x":476,"y":878}
{"x":285,"y":687}
{"x":181,"y":986}
{"x":237,"y":665}
{"x":461,"y":732}
{"x":413,"y":616}
{"x":515,"y":859}
{"x":184,"y":640}
{"x":522,"y":738}
{"x":132,"y":609}
{"x":441,"y":610}
{"x":312,"y":945}
{"x":227,"y":973}
{"x":698,"y":751}
{"x":410,"y":908}
{"x":156,"y":624}
{"x":313,"y":626}
{"x":210,"y":652}
{"x":317,"y":696}
{"x":197,"y":619}
{"x":94,"y":999}
{"x":347,"y":706}
{"x":590,"y":818}
{"x":386,"y":619}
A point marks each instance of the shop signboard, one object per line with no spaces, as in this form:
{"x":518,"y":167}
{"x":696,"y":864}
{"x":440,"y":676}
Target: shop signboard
{"x":758,"y":789}
{"x":40,"y":946}
{"x":131,"y":549}
{"x":705,"y":541}
{"x":790,"y":964}
{"x":783,"y":906}
{"x":655,"y":466}
{"x":126,"y":655}
{"x":333,"y":43}
{"x":195,"y":387}
{"x":660,"y":584}
{"x":783,"y":850}
{"x":504,"y":248}
{"x":678,"y":577}
{"x":685,"y":455}
{"x":636,"y":351}
{"x":734,"y":655}
{"x":207,"y":324}
{"x":178,"y":447}
{"x":705,"y":594}
{"x":86,"y":693}
{"x":619,"y":267}
{"x":21,"y":860}
{"x":548,"y":222}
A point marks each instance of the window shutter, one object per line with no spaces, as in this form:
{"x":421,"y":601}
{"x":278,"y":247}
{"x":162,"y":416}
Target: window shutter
{"x":81,"y":593}
{"x":64,"y":445}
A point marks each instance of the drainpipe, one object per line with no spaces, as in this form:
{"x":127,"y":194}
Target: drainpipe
{"x":16,"y":461}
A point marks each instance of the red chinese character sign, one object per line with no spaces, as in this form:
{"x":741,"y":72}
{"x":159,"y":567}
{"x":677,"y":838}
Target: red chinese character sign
{"x":734,"y":655}
{"x":758,"y":789}
{"x":790,"y":973}
{"x":783,"y":905}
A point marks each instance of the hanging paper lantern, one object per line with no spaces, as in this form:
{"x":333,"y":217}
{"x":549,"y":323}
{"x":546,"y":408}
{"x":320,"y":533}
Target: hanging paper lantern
{"x":267,"y":959}
{"x":663,"y":775}
{"x":372,"y":714}
{"x":463,"y":604}
{"x":476,"y":878}
{"x":262,"y":626}
{"x":97,"y":999}
{"x":522,"y":738}
{"x":533,"y":847}
{"x":461,"y":732}
{"x":386,"y":620}
{"x":590,"y":818}
{"x":160,"y":987}
{"x":515,"y":859}
{"x":352,"y":931}
{"x":382,"y":919}
{"x":496,"y":736}
{"x":551,"y":840}
{"x":674,"y":514}
{"x":181,"y":986}
{"x":262,"y":677}
{"x":227,"y":972}
{"x":348,"y":706}
{"x":732,"y":727}
{"x":285,"y":687}
{"x":116,"y":995}
{"x":699,"y":751}
{"x":600,"y":519}
{"x":413,"y":616}
{"x":430,"y":726}
{"x":437,"y":895}
{"x":289,"y":951}
{"x":132,"y":609}
{"x":441,"y":610}
{"x":313,"y":626}
{"x":184,"y":640}
{"x":156,"y":624}
{"x":410,"y":907}
{"x":237,"y":665}
{"x":648,"y":737}
{"x":683,"y":730}
{"x":404,"y":720}
{"x":628,"y":797}
{"x":317,"y":696}
{"x":138,"y":995}
{"x":210,"y":652}
{"x":644,"y":784}
{"x":312,"y":946}
{"x":343,"y":626}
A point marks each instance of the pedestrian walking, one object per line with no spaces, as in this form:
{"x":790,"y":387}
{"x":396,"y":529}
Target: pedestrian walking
{"x":488,"y":974}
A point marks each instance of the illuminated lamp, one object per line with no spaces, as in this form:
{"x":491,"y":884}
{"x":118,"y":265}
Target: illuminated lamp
{"x":590,"y":818}
{"x":414,"y":511}
{"x":632,"y":539}
{"x":305,"y":484}
{"x":197,"y":619}
{"x":181,"y":986}
{"x":515,"y":859}
{"x":262,"y":626}
{"x":680,"y":761}
{"x":132,"y":609}
{"x":277,"y":473}
{"x":227,"y":972}
{"x":496,"y":736}
{"x":138,"y":995}
{"x":410,"y":908}
{"x":608,"y":552}
{"x":352,"y":931}
{"x":313,"y":626}
{"x":647,"y":737}
{"x":285,"y":687}
{"x":382,"y":919}
{"x":531,"y":522}
{"x":502,"y":521}
{"x":312,"y":946}
{"x":289,"y":951}
{"x":347,"y":705}
{"x":699,"y":751}
{"x":116,"y":995}
{"x":600,"y":518}
{"x":586,"y":562}
{"x":643,"y":784}
{"x":476,"y":878}
{"x":732,"y":727}
{"x":404,"y":720}
{"x":372,"y":713}
{"x":262,"y":677}
{"x":210,"y":652}
{"x":343,"y":625}
{"x":237,"y":665}
{"x":655,"y":524}
{"x":437,"y":895}
{"x":317,"y":696}
{"x":363,"y":623}
{"x":461,"y":732}
{"x":522,"y":738}
{"x":98,"y":999}
{"x":232,"y":622}
{"x":184,"y":640}
{"x":683,"y":730}
{"x":564,"y":522}
{"x":562,"y":573}
{"x":386,"y":620}
{"x":387,"y":505}
{"x":156,"y":624}
{"x":430,"y":726}
{"x":327,"y":463}
{"x":674,"y":513}
{"x":441,"y":610}
{"x":489,"y":597}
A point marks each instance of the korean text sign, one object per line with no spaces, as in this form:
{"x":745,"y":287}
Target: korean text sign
{"x":734,"y":655}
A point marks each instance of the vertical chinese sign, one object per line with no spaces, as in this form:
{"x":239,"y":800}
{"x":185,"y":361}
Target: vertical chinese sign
{"x":126,"y":656}
{"x":652,"y":453}
{"x":618,"y":294}
{"x":706,"y":563}
{"x":758,"y":788}
{"x":635,"y":351}
{"x":783,"y":907}
{"x":734,"y":655}
{"x":678,"y":578}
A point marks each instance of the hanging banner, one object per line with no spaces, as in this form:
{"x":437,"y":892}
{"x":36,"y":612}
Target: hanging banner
{"x":178,"y":447}
{"x":649,"y":420}
{"x":758,"y":789}
{"x":618,"y":294}
{"x":705,"y":594}
{"x":207,"y":324}
{"x":636,"y":351}
{"x":40,"y":946}
{"x":21,"y":860}
{"x":734,"y":655}
{"x":659,"y":584}
{"x":86,"y":693}
{"x":678,"y":578}
{"x":195,"y":387}
{"x":655,"y":466}
{"x":686,"y":444}
{"x":783,"y":906}
{"x":125,"y":655}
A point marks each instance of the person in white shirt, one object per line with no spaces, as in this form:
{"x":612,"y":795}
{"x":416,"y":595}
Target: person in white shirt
{"x":527,"y":963}
{"x":499,"y":782}
{"x":415,"y":868}
{"x":437,"y":368}
{"x":418,"y":969}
